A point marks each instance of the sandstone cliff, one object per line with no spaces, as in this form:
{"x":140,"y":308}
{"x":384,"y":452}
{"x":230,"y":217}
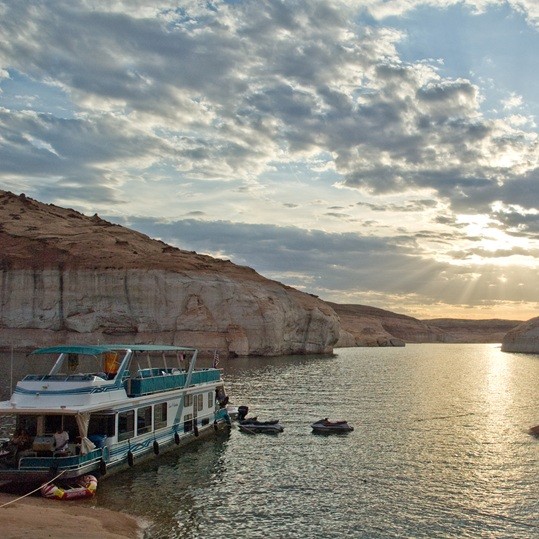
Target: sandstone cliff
{"x":474,"y":331}
{"x":523,"y":338}
{"x":368,"y":326}
{"x":68,"y":278}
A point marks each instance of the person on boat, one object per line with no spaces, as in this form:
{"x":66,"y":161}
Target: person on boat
{"x":21,"y":440}
{"x":221,"y":397}
{"x":61,"y":439}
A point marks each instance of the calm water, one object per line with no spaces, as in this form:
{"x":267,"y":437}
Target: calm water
{"x":440,"y":449}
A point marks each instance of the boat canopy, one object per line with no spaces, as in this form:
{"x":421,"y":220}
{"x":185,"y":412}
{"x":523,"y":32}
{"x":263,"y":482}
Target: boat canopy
{"x":94,"y":350}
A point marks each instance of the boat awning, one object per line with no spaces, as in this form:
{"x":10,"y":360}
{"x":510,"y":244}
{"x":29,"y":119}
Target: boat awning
{"x":67,"y":349}
{"x":95,"y":350}
{"x":6,"y":408}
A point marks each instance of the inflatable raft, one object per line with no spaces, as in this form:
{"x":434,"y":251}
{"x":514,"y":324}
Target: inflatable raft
{"x":84,"y":488}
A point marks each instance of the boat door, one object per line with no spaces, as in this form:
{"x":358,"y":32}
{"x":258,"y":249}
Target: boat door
{"x":197,"y":405}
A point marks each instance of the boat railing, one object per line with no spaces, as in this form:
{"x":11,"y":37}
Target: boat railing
{"x":61,"y":377}
{"x":154,"y":380}
{"x":71,"y":462}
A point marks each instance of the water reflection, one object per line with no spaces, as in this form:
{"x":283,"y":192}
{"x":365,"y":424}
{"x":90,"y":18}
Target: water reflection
{"x":440,"y":449}
{"x":499,"y":389}
{"x":166,"y":490}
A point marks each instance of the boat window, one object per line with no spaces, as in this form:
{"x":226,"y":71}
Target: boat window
{"x":144,"y":419}
{"x":188,"y":400}
{"x":72,"y":363}
{"x":76,"y":364}
{"x":210,"y":399}
{"x":200,"y":402}
{"x":101,"y":424}
{"x":188,"y":422}
{"x":126,"y":425}
{"x":111,"y":364}
{"x":160,"y":415}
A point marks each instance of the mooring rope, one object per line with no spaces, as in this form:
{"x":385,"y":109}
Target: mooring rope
{"x":31,"y":492}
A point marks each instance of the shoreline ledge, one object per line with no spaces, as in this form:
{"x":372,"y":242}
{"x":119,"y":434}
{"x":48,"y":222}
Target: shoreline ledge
{"x":41,"y":518}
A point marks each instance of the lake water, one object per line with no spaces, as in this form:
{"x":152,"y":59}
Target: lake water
{"x":440,"y":449}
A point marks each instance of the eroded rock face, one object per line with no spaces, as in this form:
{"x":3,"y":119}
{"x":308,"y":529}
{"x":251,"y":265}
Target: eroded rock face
{"x":523,"y":338}
{"x":362,"y":325}
{"x":474,"y":331}
{"x":68,"y":278}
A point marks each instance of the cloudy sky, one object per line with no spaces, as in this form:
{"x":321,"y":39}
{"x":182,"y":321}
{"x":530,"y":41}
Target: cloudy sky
{"x":366,"y":151}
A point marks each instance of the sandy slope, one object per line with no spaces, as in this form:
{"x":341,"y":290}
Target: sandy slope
{"x":38,"y":518}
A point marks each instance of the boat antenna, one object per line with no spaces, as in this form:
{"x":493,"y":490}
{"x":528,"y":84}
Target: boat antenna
{"x":11,"y":373}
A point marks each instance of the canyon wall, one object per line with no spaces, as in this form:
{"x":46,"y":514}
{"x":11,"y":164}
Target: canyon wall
{"x":523,"y":338}
{"x":362,"y":325}
{"x":206,"y":311}
{"x":474,"y":331}
{"x":67,"y":278}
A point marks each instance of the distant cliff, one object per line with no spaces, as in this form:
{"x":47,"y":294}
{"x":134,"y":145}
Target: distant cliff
{"x":475,"y":331}
{"x":368,"y":326}
{"x":523,"y":338}
{"x":65,"y":277}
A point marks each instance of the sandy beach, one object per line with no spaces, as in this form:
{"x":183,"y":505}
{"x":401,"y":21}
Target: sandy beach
{"x":39,"y":518}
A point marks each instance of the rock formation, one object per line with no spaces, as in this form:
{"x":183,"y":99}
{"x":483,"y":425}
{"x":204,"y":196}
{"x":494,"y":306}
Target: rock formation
{"x":368,"y":326}
{"x":474,"y":331}
{"x":523,"y":338}
{"x":70,"y":278}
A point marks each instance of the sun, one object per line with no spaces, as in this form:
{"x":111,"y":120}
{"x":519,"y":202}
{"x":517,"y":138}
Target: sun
{"x":487,"y":243}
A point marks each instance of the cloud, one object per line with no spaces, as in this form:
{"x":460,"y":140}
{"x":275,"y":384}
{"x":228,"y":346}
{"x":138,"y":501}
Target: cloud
{"x":513,"y":101}
{"x":351,"y":267}
{"x":231,"y":88}
{"x":382,"y":9}
{"x":255,"y":111}
{"x":410,"y":206}
{"x":498,"y":253}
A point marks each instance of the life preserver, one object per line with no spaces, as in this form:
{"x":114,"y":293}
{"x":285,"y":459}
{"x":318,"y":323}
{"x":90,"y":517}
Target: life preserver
{"x":156,"y":447}
{"x":86,"y":488}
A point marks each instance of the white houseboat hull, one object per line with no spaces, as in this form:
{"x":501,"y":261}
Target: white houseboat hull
{"x":114,"y":419}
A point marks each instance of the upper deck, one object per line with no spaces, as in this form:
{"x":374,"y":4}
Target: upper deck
{"x":91,"y":376}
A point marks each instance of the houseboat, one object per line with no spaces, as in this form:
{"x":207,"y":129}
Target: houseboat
{"x":104,"y":408}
